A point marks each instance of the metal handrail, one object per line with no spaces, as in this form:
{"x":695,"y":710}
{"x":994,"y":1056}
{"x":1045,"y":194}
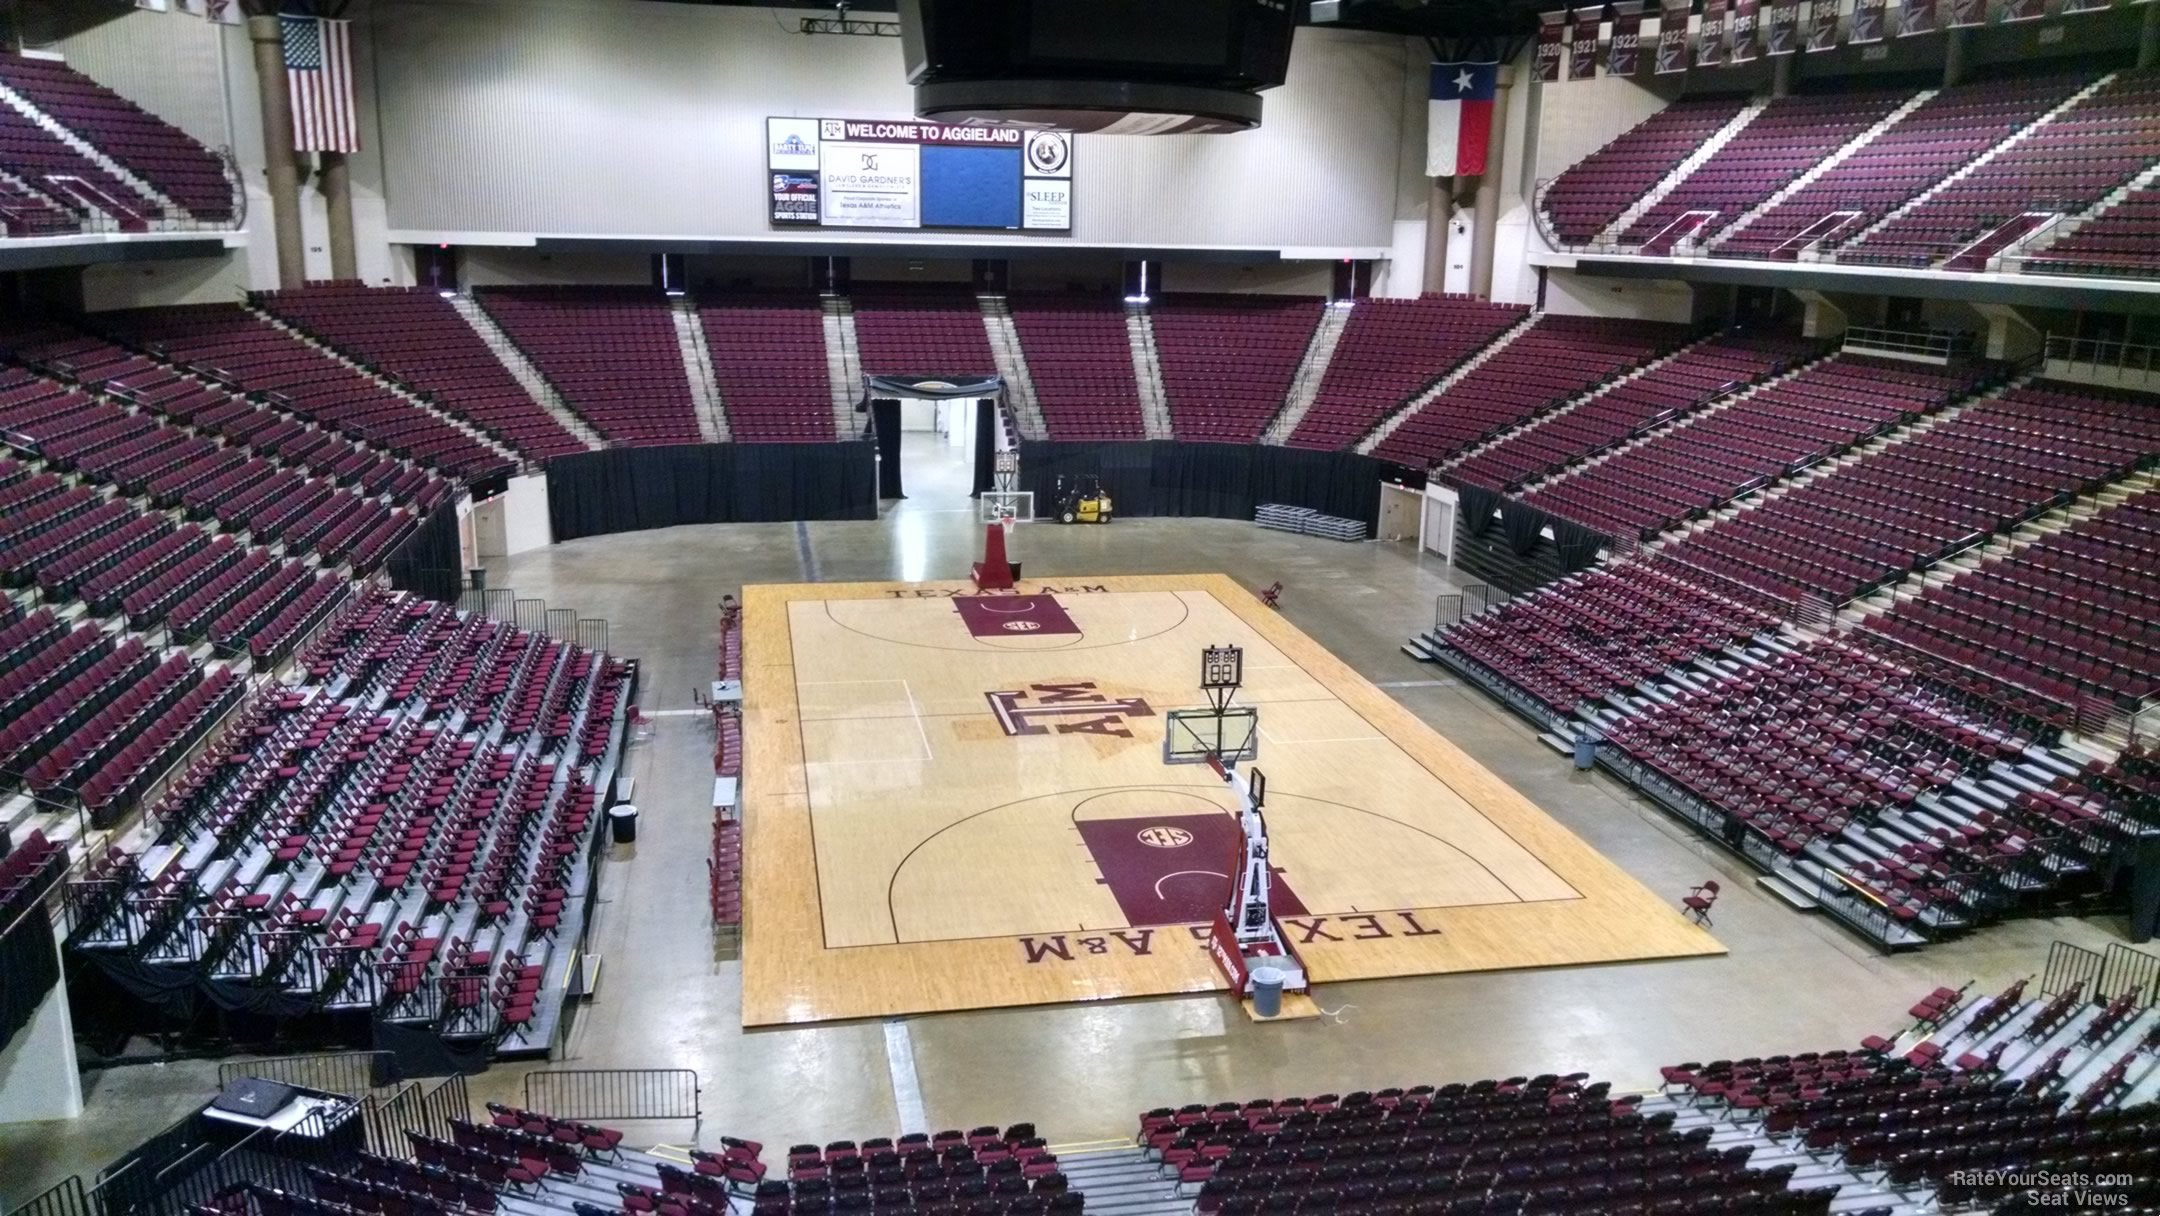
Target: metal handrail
{"x":2101,"y":352}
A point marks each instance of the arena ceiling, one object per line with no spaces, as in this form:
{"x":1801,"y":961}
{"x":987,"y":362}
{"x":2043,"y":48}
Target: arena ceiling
{"x":1436,"y":19}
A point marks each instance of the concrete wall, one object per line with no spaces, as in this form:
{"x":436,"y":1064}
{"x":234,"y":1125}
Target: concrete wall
{"x":1571,"y":294}
{"x":600,"y":117}
{"x":1277,"y":278}
{"x":38,"y":1080}
{"x":483,"y":267}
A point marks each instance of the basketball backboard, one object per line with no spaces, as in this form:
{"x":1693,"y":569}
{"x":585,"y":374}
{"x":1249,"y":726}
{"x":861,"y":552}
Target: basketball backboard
{"x":1016,"y":505}
{"x":1190,"y":736}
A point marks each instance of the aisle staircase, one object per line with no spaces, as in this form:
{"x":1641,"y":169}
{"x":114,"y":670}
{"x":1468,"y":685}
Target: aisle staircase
{"x":1311,"y":371}
{"x":1440,"y":387}
{"x":1012,"y":367}
{"x":843,"y":365}
{"x":1147,"y":371}
{"x":1121,"y":1181}
{"x":523,"y":370}
{"x":1609,"y":236}
{"x":1826,"y":164}
{"x":697,"y":367}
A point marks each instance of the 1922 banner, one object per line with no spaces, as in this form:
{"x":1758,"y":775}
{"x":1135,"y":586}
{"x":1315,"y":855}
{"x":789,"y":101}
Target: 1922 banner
{"x":1672,"y":38}
{"x":1916,"y":17}
{"x":1710,"y":38}
{"x":1549,"y":36}
{"x":1582,"y":50}
{"x":1624,"y":56}
{"x":1868,"y":17}
{"x":1782,"y":27}
{"x":1746,"y":16}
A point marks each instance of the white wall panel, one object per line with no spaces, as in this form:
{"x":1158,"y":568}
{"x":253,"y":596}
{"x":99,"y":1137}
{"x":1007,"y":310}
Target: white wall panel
{"x":625,"y":119}
{"x":167,"y":63}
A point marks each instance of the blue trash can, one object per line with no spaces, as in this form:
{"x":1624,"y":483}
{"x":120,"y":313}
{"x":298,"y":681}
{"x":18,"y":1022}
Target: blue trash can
{"x":1267,"y":986}
{"x":1586,"y":745}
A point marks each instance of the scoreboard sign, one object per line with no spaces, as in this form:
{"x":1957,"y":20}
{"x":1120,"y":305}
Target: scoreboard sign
{"x":877,"y":173}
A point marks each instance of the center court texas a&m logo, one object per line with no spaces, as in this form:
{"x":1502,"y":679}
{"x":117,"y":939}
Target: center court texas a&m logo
{"x":1073,"y":708}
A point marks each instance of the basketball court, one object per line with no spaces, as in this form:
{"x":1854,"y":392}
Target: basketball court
{"x":959,"y":801}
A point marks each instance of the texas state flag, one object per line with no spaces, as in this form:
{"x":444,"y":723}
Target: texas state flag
{"x":1459,"y":118}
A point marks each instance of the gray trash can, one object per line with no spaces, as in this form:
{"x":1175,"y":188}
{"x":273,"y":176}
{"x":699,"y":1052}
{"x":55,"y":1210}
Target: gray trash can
{"x":622,"y":821}
{"x":1586,"y":745}
{"x":1267,"y":985}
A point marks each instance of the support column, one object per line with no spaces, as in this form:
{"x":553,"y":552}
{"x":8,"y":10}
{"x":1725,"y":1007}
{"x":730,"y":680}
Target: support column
{"x":2149,"y":39}
{"x":1485,"y":218}
{"x":1781,"y":74}
{"x":1956,"y":42}
{"x":336,"y":186}
{"x":1439,"y":214}
{"x":284,"y":174}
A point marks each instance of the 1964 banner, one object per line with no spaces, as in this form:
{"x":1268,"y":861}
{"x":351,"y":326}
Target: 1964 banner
{"x":1916,"y":17}
{"x":1624,"y":56}
{"x":1782,"y":28}
{"x":1672,"y":44}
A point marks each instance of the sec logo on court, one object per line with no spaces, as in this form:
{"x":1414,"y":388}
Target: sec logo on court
{"x":1165,"y":838}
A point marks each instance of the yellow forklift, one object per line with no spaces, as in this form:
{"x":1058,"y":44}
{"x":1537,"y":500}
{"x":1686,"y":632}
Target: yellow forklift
{"x":1080,"y":499}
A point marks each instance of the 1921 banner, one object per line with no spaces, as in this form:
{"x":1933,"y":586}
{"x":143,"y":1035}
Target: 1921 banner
{"x":1672,"y":45}
{"x":1782,"y":28}
{"x":1549,"y":37}
{"x":1582,"y":50}
{"x":1624,"y":56}
{"x":1916,"y":17}
{"x":1746,"y":16}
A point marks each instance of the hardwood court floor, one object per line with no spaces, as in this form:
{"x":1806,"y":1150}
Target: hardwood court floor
{"x":949,"y":809}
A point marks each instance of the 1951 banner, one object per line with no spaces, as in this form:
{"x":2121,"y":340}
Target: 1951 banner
{"x":1710,"y":36}
{"x":1746,"y":15}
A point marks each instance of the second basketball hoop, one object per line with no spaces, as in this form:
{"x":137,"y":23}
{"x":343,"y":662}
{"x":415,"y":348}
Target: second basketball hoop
{"x":1220,"y":730}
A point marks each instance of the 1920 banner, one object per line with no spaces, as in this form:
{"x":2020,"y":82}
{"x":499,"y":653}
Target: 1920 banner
{"x":1710,"y":37}
{"x":1782,"y":27}
{"x":1549,"y":37}
{"x":1964,"y":14}
{"x":1822,"y":25}
{"x":1672,"y":45}
{"x":1916,"y":17}
{"x":1868,"y":17}
{"x":1624,"y":56}
{"x":1746,"y":17}
{"x":1582,"y":50}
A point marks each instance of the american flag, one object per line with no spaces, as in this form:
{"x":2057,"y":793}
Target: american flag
{"x":318,"y":72}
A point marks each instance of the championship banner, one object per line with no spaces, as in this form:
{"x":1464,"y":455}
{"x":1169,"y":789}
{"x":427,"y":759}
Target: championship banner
{"x":1582,"y":52}
{"x":1672,"y":38}
{"x":1746,"y":16}
{"x":1783,"y":27}
{"x":2084,"y":6}
{"x":2023,"y":10}
{"x":1549,"y":35}
{"x":1822,"y":25}
{"x":1917,"y":17}
{"x":1624,"y":56}
{"x":1710,"y":38}
{"x":1868,"y":17}
{"x":1964,"y":14}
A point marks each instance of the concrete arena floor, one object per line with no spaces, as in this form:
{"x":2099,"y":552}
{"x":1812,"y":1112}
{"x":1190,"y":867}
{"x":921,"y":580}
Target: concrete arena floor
{"x":1084,"y":1072}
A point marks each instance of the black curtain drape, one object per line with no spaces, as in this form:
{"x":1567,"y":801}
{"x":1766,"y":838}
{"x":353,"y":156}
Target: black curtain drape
{"x":1477,"y":508}
{"x":629,"y":489}
{"x":426,"y":563}
{"x":1522,"y":526}
{"x":29,"y":963}
{"x":985,"y":445}
{"x":1578,"y":546}
{"x":885,"y":427}
{"x":1216,"y":480}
